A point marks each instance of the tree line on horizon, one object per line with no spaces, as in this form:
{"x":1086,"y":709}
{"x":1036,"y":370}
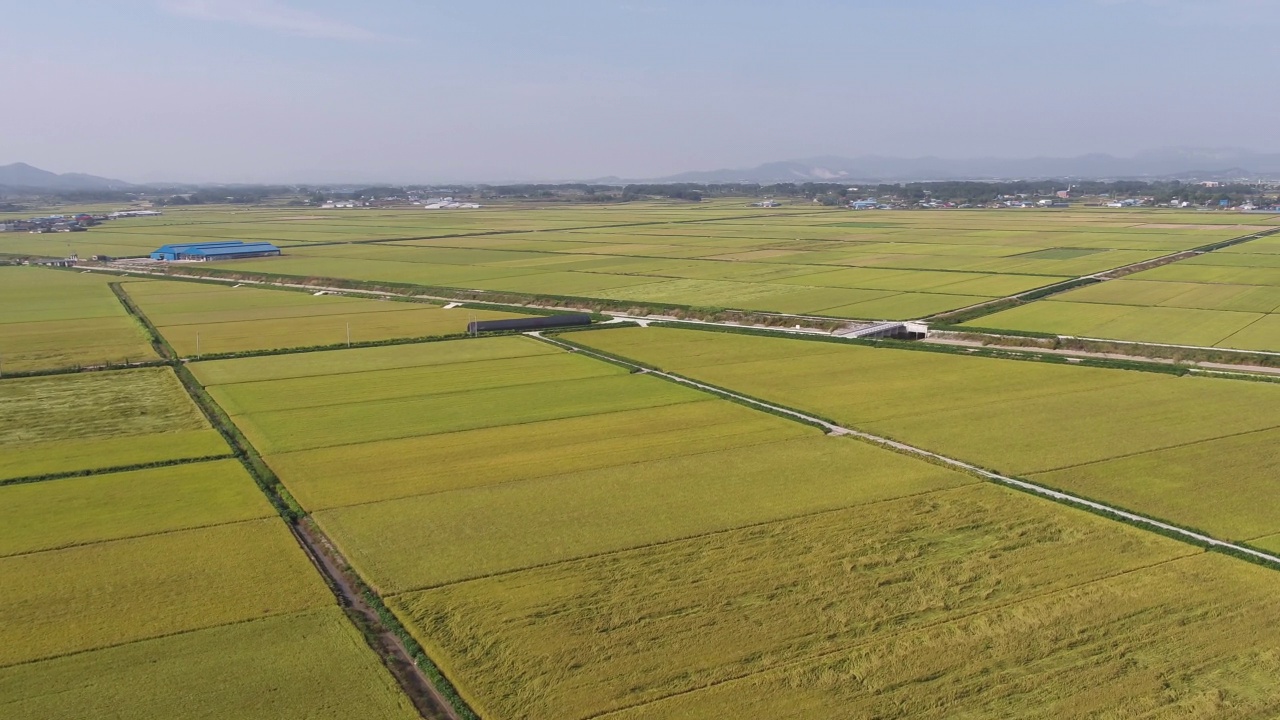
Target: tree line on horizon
{"x":957,"y":191}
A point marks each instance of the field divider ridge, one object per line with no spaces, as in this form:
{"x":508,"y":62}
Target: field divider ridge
{"x":1132,"y":518}
{"x":90,"y":472}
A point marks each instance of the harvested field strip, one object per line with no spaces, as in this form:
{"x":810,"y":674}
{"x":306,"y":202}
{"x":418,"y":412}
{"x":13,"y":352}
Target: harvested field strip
{"x":308,"y":428}
{"x":422,"y":381}
{"x":638,"y":625}
{"x":372,"y":472}
{"x":312,"y":664}
{"x":57,"y":457}
{"x":1095,"y":650}
{"x":66,"y":601}
{"x":78,"y":511}
{"x":488,"y":530}
{"x":361,"y":360}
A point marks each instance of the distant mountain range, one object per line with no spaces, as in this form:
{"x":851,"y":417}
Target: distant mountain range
{"x":1170,"y":163}
{"x":22,"y":175}
{"x":1164,"y":164}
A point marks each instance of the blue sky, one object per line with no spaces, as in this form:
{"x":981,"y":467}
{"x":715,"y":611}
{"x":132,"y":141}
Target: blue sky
{"x":417,"y":90}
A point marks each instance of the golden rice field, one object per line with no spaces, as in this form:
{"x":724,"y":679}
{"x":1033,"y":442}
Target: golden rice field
{"x":356,"y":361}
{"x":436,"y":397}
{"x":111,"y":506}
{"x":311,"y":664}
{"x":1195,"y":451}
{"x":1116,"y":648}
{"x":500,"y":528}
{"x":61,"y":319}
{"x":973,"y":600}
{"x":385,"y":470}
{"x":568,"y":539}
{"x":71,"y":423}
{"x":200,"y":318}
{"x":571,"y":558}
{"x":130,"y":594}
{"x":1229,"y":298}
{"x":58,"y":602}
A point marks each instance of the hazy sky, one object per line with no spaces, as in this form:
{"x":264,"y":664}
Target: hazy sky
{"x":419,"y":90}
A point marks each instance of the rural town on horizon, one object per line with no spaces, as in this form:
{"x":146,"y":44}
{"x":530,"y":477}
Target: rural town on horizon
{"x":640,"y":360}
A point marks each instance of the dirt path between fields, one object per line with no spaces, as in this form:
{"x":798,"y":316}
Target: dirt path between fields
{"x":428,"y":701}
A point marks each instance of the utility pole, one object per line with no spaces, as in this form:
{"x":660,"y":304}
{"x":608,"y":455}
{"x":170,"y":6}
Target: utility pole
{"x":348,"y":334}
{"x":197,"y":345}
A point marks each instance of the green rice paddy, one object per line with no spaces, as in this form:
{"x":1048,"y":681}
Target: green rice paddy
{"x":196,"y":318}
{"x":1228,"y":298}
{"x":58,"y":319}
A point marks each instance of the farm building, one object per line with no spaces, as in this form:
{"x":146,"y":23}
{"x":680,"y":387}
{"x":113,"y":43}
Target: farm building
{"x":531,"y":323}
{"x":223,"y":250}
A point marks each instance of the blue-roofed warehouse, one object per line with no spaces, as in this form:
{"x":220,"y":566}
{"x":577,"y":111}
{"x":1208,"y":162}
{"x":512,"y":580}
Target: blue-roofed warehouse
{"x":223,"y":250}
